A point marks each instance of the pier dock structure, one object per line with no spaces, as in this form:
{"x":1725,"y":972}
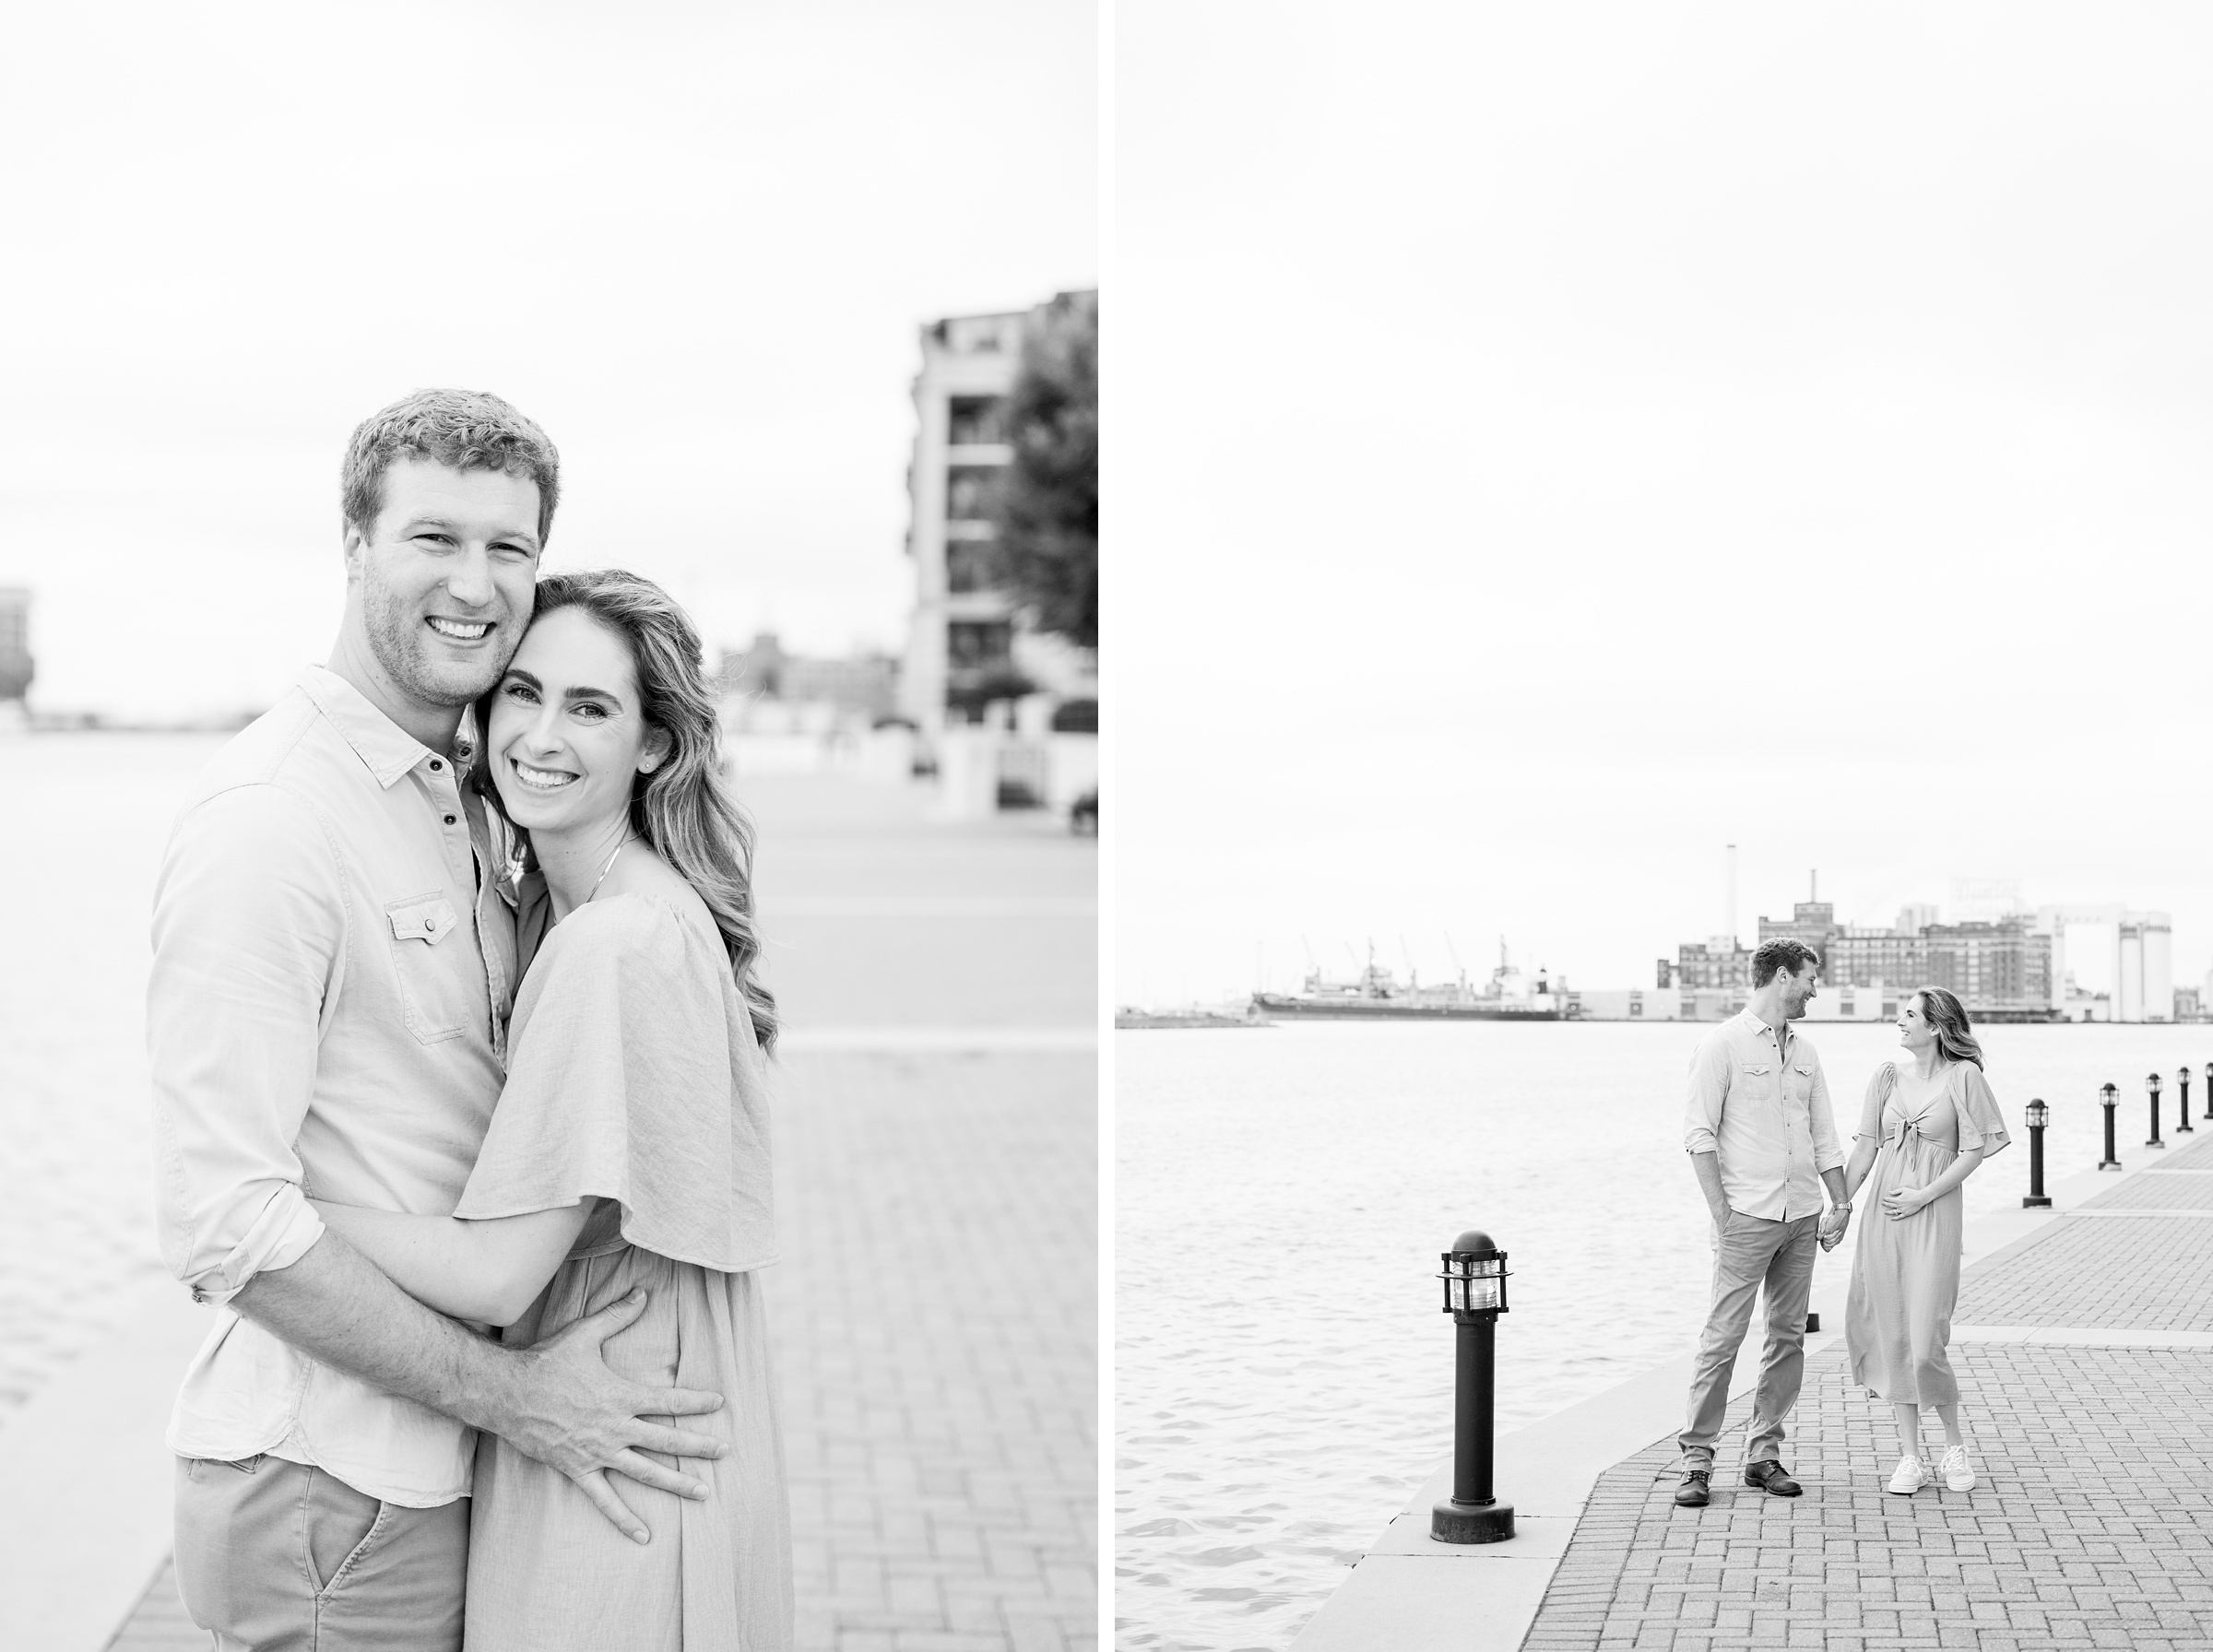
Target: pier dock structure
{"x":2084,"y":1342}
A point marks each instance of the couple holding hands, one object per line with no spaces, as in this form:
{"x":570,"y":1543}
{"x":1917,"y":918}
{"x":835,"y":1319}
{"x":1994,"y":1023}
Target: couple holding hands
{"x":1762,"y":1138}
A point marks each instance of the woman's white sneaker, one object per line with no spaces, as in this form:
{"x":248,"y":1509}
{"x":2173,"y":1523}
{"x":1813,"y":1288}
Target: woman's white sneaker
{"x":1957,"y":1472}
{"x":1911,"y":1477}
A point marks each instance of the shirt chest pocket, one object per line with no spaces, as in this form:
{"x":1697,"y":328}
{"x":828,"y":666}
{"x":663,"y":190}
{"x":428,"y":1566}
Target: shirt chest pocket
{"x":437,"y":976}
{"x":1801,"y":1086}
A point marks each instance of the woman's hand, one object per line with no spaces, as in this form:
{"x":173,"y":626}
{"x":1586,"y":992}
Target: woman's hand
{"x":1901,"y":1202}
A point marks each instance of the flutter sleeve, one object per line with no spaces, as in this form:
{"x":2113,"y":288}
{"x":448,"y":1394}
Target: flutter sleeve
{"x":1871,"y":1106}
{"x":633,"y":1078}
{"x":1980,"y":1124}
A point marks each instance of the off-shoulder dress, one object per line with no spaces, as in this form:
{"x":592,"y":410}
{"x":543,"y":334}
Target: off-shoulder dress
{"x":634,"y":1076}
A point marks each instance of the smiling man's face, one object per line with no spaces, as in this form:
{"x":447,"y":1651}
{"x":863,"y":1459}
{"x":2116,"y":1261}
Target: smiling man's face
{"x":447,"y":572}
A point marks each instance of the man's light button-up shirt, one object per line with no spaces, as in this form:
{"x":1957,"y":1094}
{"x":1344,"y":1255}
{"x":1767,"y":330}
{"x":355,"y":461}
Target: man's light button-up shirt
{"x":1759,"y":1103}
{"x":333,"y":967}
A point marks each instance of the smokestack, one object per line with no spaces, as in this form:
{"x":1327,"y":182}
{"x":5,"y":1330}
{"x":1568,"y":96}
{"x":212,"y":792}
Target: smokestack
{"x":1729,"y":916}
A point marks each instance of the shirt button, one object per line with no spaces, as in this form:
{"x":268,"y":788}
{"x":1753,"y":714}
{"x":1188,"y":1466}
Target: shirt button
{"x":435,"y":765}
{"x":449,"y":820}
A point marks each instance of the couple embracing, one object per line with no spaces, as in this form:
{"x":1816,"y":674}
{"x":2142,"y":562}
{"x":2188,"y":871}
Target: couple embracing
{"x":1763,"y":1142}
{"x":460,"y":1120}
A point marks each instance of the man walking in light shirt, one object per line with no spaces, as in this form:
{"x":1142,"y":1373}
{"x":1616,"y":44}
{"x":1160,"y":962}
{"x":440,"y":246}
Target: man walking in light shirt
{"x":333,"y":966}
{"x":1763,"y":1142}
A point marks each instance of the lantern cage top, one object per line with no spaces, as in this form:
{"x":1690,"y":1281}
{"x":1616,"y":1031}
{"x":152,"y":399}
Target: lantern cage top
{"x":2151,"y":1082}
{"x":1474,"y":1275}
{"x":2038,"y":1115}
{"x":2109,"y":1093}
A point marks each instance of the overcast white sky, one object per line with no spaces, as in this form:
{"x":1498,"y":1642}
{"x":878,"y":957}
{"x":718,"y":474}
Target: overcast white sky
{"x":694,"y":240}
{"x":1551,"y":443}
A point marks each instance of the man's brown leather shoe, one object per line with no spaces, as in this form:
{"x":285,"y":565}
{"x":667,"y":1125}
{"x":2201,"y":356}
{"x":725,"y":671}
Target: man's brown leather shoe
{"x":1691,"y":1493}
{"x":1770,"y":1476}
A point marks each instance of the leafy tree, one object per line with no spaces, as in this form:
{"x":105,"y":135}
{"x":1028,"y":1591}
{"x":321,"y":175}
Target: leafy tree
{"x":1045,"y":506}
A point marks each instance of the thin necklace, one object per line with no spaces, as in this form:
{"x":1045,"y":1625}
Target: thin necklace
{"x":606,"y":869}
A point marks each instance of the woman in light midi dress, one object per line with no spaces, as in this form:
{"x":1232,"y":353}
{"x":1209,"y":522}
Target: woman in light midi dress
{"x":1923,"y":1130}
{"x":630,"y":1147}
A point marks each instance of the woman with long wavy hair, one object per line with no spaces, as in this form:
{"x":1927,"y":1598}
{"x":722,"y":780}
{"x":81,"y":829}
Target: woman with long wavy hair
{"x":629,"y":1150}
{"x":1924,"y":1127}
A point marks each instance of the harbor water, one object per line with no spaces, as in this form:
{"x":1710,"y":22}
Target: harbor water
{"x":1283,"y":1369}
{"x":82,"y":820}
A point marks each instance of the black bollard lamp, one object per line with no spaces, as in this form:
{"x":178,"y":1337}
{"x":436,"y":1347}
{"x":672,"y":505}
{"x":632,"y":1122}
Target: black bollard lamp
{"x":2182,"y":1126}
{"x":1474,"y":1279}
{"x":2209,"y":1114}
{"x":2039,"y":1116}
{"x":2109,"y":1097}
{"x":2151,"y":1086}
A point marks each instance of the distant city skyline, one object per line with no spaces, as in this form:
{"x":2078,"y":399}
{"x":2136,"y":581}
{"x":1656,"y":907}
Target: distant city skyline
{"x":1710,"y":425}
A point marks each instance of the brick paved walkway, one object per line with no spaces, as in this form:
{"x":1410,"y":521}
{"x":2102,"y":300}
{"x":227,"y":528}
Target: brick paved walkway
{"x":2091,"y":1526}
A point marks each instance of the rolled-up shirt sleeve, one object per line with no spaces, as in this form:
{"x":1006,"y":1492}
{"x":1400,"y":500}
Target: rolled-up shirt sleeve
{"x":1709,"y":1090}
{"x":1821,"y":1123}
{"x":249,"y":939}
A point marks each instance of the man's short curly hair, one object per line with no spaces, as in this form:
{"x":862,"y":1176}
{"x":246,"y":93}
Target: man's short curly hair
{"x":469,"y":429}
{"x":1787,"y":956}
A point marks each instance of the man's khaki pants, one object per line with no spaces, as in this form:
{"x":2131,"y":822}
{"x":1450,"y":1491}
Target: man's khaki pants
{"x":275,"y":1556}
{"x":1753,"y":1253}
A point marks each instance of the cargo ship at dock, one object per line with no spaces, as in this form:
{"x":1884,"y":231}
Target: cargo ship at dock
{"x":1377,"y":996}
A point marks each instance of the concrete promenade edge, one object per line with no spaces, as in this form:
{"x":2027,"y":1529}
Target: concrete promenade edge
{"x":1602,"y":1559}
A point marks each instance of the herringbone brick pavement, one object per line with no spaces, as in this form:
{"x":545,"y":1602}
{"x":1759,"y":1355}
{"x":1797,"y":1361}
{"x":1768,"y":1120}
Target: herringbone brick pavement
{"x":2089,"y":1526}
{"x":2100,"y":1272}
{"x":2173,"y":1190}
{"x":935,"y":1318}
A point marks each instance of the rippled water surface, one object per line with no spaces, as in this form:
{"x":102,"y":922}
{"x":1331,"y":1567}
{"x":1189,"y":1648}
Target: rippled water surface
{"x":82,"y":821}
{"x":1283,"y":1373}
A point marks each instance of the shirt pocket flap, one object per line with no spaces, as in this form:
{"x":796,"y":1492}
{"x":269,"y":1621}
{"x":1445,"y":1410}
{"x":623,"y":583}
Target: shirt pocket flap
{"x":1805,"y":1069}
{"x":422,"y":917}
{"x":1760,"y":1069}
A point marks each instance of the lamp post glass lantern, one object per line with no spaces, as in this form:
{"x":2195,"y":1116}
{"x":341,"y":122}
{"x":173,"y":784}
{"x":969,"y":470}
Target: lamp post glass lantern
{"x":2182,"y":1126}
{"x":2109,"y":1097}
{"x":2038,"y":1116}
{"x":1475,"y":1279}
{"x":2151,"y":1084}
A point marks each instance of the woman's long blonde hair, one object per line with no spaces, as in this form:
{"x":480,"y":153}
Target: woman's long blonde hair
{"x":1946,"y":1017}
{"x":684,"y":808}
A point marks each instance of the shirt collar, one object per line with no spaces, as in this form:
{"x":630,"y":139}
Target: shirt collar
{"x":387,"y":750}
{"x":1753,"y":1021}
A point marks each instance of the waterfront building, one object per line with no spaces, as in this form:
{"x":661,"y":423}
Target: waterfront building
{"x":967,"y":645}
{"x":16,"y":667}
{"x":1811,"y":923}
{"x":1720,"y":964}
{"x":1863,"y":955}
{"x":1913,"y":919}
{"x":1991,"y":966}
{"x":2139,"y":946}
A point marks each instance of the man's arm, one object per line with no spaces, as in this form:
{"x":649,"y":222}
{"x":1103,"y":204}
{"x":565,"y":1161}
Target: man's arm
{"x":1702,"y":1121}
{"x":557,"y":1401}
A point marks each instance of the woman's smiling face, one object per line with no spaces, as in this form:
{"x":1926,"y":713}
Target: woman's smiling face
{"x":1913,"y":1029}
{"x":567,"y":733}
